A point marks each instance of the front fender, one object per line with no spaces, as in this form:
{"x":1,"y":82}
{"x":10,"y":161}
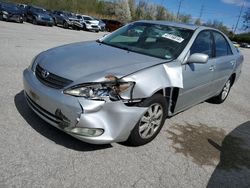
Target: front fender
{"x":153,"y":79}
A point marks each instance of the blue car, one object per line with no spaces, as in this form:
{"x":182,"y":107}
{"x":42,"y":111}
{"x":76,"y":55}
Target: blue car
{"x":37,"y":15}
{"x":11,"y":12}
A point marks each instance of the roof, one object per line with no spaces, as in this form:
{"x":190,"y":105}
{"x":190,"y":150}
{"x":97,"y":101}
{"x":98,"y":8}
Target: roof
{"x":174,"y":24}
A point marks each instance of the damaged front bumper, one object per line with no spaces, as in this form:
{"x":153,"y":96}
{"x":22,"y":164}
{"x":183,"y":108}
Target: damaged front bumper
{"x":97,"y":122}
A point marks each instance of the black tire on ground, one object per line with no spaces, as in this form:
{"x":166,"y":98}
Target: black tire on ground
{"x":223,"y":94}
{"x":151,"y":122}
{"x":55,"y":24}
{"x":34,"y":21}
{"x":1,"y":17}
{"x":65,"y":25}
{"x":84,"y":28}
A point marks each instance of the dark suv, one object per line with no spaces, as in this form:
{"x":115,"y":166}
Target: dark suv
{"x":37,"y":15}
{"x":10,"y":12}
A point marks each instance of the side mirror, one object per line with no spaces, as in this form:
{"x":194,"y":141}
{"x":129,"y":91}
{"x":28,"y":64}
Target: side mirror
{"x":198,"y":58}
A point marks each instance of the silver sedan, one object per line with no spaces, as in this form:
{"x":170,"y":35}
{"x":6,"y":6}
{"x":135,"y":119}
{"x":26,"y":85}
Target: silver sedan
{"x":123,"y":86}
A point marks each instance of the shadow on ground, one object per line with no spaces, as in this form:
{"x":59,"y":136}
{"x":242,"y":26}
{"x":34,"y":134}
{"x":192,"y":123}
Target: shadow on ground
{"x":233,"y":169}
{"x":49,"y":131}
{"x":192,"y":141}
{"x":210,"y":146}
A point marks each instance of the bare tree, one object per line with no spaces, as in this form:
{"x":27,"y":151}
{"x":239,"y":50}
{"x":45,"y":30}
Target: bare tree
{"x":185,"y":18}
{"x":122,"y":10}
{"x":197,"y":21}
{"x":132,"y":7}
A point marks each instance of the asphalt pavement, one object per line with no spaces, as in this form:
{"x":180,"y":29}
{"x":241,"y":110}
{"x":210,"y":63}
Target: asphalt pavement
{"x":205,"y":146}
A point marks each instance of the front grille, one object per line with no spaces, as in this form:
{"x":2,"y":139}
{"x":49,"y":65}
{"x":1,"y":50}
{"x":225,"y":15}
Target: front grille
{"x":46,"y":19}
{"x":51,"y":80}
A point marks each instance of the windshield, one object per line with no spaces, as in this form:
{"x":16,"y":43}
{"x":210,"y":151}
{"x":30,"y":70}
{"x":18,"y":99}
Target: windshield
{"x":162,"y":41}
{"x":9,"y":7}
{"x":38,"y":10}
{"x":87,"y":18}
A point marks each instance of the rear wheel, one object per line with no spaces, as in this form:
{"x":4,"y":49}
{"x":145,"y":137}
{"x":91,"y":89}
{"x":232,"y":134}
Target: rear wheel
{"x":151,"y":122}
{"x":84,"y":27}
{"x":65,"y":25}
{"x":223,"y":94}
{"x":34,"y":21}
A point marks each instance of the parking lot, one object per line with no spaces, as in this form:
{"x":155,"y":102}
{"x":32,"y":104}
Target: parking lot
{"x":205,"y":146}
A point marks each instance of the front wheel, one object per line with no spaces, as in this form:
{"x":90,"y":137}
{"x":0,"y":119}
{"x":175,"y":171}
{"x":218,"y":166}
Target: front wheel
{"x":34,"y":21}
{"x":223,"y":94}
{"x":65,"y":25}
{"x":151,"y":122}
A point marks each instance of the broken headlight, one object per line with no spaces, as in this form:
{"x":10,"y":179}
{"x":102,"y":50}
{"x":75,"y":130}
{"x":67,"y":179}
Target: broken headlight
{"x":102,"y":90}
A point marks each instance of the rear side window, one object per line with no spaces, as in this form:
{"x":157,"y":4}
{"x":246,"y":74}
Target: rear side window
{"x":203,"y":44}
{"x":222,"y":47}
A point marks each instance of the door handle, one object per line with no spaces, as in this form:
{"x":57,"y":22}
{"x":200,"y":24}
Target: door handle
{"x":211,"y":68}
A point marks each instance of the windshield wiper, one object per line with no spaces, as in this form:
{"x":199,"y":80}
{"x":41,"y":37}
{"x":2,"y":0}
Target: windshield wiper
{"x":121,"y":47}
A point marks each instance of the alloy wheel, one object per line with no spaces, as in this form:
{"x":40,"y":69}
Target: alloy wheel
{"x":151,"y":121}
{"x":226,"y":89}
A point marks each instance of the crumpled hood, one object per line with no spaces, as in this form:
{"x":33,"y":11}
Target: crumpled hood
{"x":91,"y":61}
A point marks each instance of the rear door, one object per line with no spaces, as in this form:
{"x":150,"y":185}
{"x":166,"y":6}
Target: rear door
{"x":197,"y":78}
{"x":224,"y":61}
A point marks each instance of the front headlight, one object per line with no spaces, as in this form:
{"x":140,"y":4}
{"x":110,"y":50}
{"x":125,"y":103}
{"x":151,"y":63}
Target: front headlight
{"x":6,"y":13}
{"x":100,"y":91}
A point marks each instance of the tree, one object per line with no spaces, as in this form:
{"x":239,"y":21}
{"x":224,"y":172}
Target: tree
{"x":218,"y":25}
{"x":185,"y":18}
{"x":246,"y":21}
{"x":161,"y":13}
{"x":132,"y":7}
{"x":140,"y":10}
{"x":122,"y":11}
{"x":197,"y":21}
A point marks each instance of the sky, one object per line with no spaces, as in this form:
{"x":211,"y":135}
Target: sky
{"x":226,"y":11}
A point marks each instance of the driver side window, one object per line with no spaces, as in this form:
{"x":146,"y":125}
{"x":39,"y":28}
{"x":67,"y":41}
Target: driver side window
{"x":203,"y":44}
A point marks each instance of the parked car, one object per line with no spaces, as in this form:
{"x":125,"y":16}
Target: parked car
{"x":11,"y":12}
{"x":102,"y":25}
{"x":245,"y":45}
{"x":112,"y":25}
{"x":38,"y":15}
{"x":237,"y":45}
{"x":122,"y":87}
{"x":89,"y":23}
{"x":67,"y":20}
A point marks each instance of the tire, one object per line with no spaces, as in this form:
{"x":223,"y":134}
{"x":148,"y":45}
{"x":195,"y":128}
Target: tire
{"x":1,"y":17}
{"x":65,"y":25}
{"x":223,"y":94}
{"x":84,"y":28}
{"x":34,"y":21}
{"x":55,"y":24}
{"x":151,"y":122}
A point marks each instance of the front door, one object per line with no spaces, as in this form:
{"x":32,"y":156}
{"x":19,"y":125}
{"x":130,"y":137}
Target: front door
{"x":197,"y":78}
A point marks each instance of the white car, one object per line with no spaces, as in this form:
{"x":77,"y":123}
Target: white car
{"x":89,"y":23}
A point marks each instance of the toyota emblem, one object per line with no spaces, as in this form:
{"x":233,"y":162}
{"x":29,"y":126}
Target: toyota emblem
{"x":44,"y":73}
